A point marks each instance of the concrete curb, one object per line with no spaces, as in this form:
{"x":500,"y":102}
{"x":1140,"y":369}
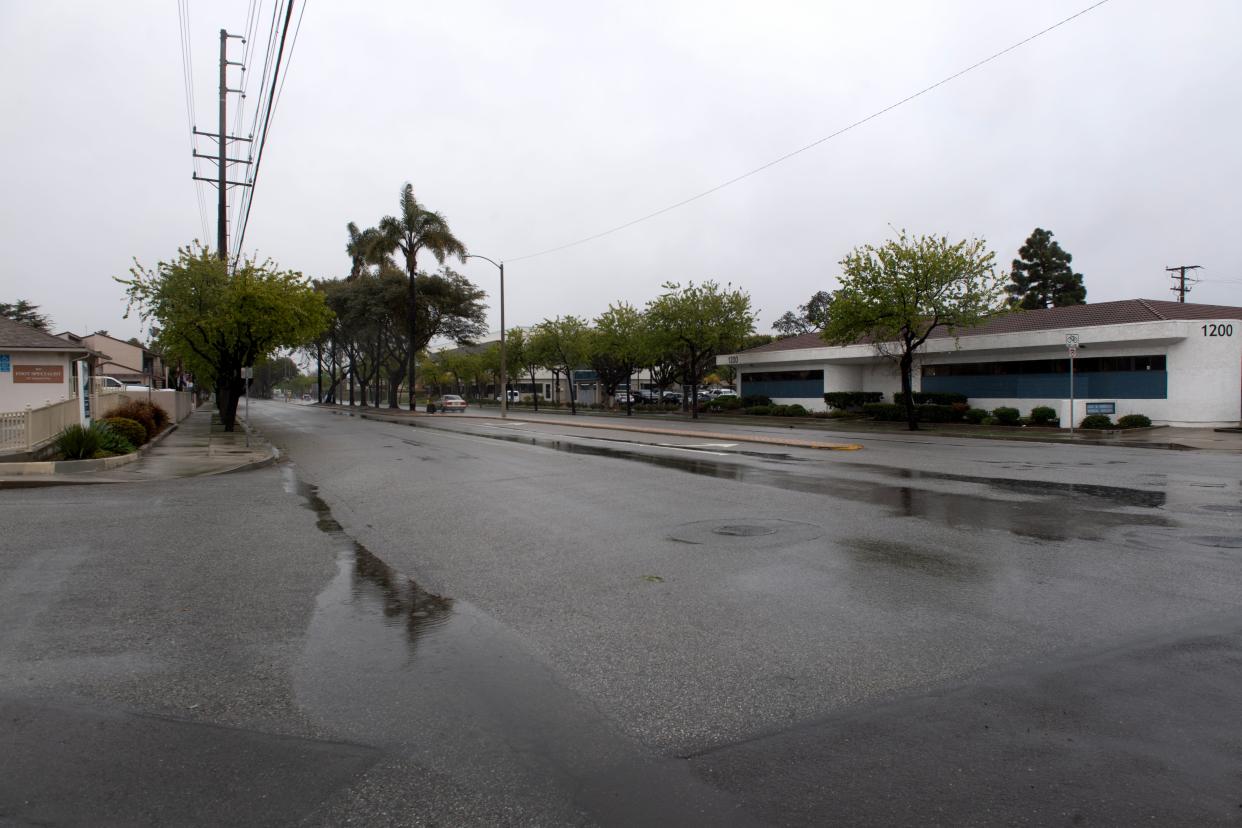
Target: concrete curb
{"x":669,"y":432}
{"x":34,"y":467}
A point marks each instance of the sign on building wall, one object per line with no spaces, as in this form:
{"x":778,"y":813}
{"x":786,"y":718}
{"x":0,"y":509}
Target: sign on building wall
{"x":4,"y":363}
{"x":39,"y":373}
{"x":1101,"y":408}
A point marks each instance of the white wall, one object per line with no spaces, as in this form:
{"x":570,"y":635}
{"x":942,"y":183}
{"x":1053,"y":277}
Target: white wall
{"x":16,"y":396}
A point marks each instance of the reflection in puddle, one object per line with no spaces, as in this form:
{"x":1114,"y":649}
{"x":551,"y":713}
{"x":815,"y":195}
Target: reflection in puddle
{"x":1054,"y":511}
{"x":401,"y":600}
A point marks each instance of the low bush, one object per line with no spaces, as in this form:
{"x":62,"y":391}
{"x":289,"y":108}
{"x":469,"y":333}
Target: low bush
{"x":1007,"y":416}
{"x":725,"y":403}
{"x":852,"y":399}
{"x":1043,"y":415}
{"x":990,"y":421}
{"x":930,"y":398}
{"x":113,"y":441}
{"x":131,"y":431}
{"x":937,"y":413}
{"x":755,"y":399}
{"x":1134,"y":421}
{"x":885,"y":411}
{"x":795,"y":410}
{"x":78,"y":443}
{"x":1096,"y":421}
{"x":758,"y":410}
{"x":139,"y":412}
{"x":976,"y":415}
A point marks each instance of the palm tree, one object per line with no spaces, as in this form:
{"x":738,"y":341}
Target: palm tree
{"x":364,"y":247}
{"x":413,"y":230}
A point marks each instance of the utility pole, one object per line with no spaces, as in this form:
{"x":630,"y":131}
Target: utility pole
{"x":1179,"y":281}
{"x":221,"y":158}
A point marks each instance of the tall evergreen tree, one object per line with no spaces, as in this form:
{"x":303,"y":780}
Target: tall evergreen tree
{"x":26,"y":313}
{"x":1043,"y":278}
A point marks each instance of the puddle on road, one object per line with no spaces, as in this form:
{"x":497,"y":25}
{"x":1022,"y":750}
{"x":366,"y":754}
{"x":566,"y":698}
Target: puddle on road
{"x":387,"y":662}
{"x":1055,"y":511}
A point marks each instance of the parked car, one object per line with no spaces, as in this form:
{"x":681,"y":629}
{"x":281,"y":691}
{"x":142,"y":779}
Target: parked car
{"x":646,"y":397}
{"x":452,"y":402}
{"x":514,"y":396}
{"x":624,"y":398}
{"x":671,"y":397}
{"x":724,"y":392}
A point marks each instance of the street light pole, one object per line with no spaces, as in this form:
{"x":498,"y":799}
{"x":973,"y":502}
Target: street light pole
{"x":504,"y":364}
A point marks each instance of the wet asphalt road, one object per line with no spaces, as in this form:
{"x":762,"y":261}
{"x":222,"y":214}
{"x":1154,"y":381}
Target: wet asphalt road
{"x":483,"y":623}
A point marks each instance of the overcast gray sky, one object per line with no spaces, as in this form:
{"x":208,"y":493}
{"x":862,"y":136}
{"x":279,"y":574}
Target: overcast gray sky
{"x":534,"y":124}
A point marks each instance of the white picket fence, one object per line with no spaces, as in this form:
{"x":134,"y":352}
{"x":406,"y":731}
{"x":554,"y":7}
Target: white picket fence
{"x":33,"y":428}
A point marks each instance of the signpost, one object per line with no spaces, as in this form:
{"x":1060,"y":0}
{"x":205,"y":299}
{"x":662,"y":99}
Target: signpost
{"x":247,"y":375}
{"x":1071,"y":344}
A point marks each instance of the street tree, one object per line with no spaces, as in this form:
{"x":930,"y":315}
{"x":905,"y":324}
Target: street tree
{"x":523,"y":358}
{"x":562,"y":344}
{"x":27,"y":314}
{"x":809,"y":318}
{"x":216,"y":322}
{"x":413,"y":230}
{"x":1042,"y":277}
{"x":619,"y":344}
{"x":697,"y":322}
{"x":897,"y":294}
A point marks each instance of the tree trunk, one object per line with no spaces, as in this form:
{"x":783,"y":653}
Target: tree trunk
{"x":573,"y":392}
{"x":227,"y":396}
{"x":907,"y":368}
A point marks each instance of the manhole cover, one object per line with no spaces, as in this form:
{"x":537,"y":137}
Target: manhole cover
{"x":743,"y":530}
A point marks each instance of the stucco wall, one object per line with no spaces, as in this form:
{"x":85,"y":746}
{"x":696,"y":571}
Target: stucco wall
{"x":17,"y":396}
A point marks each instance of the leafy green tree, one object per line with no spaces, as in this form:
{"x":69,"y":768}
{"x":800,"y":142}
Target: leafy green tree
{"x":1043,"y":278}
{"x":618,"y":346}
{"x":413,"y":230}
{"x":27,"y":314}
{"x":809,"y":318}
{"x":218,"y":322}
{"x":523,"y":358}
{"x":696,"y":322}
{"x":897,"y":294}
{"x":562,"y":344}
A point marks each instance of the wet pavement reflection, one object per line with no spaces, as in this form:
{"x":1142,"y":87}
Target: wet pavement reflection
{"x":1043,"y":510}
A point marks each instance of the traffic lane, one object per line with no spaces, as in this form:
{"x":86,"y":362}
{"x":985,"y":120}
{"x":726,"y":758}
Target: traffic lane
{"x":1097,"y":465}
{"x":1190,"y":486}
{"x":1140,"y":734}
{"x":700,"y":601}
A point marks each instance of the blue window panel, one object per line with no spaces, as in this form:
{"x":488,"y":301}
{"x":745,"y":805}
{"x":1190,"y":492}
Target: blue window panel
{"x":807,"y":389}
{"x":1122,"y":385}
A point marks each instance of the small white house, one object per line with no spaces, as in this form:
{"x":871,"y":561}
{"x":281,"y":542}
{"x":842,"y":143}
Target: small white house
{"x":1178,"y":363}
{"x":36,"y":368}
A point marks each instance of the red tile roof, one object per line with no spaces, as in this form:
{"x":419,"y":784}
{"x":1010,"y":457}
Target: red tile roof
{"x":1125,"y":311}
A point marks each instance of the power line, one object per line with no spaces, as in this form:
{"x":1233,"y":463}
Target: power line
{"x":187,"y":77}
{"x":267,"y":122}
{"x":813,"y":144}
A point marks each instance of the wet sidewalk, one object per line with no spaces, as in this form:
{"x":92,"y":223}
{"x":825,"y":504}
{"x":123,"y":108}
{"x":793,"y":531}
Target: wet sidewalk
{"x":198,"y":446}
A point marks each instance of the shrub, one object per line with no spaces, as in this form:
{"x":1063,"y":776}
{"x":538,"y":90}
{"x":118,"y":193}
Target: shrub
{"x":129,"y":430}
{"x":795,"y":410}
{"x":139,"y":412}
{"x":885,"y":411}
{"x":725,"y":403}
{"x":976,"y":415}
{"x":78,"y":443}
{"x":1134,"y":421}
{"x":1043,"y":415}
{"x":937,"y":413}
{"x":990,"y":421}
{"x":1096,"y":421}
{"x":755,"y":399}
{"x":930,"y":398}
{"x":1006,"y":416}
{"x":758,"y":410}
{"x":113,"y":441}
{"x":852,"y":399}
